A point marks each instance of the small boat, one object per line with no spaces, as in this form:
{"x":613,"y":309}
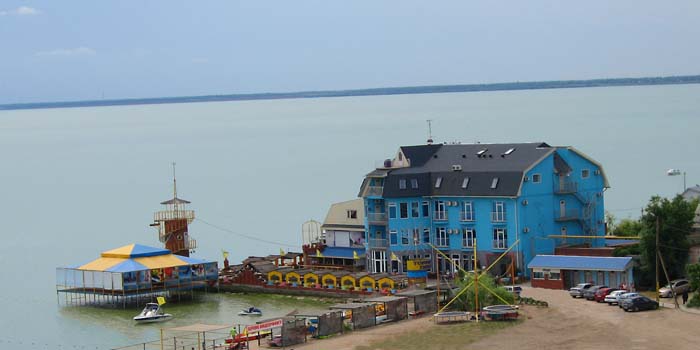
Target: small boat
{"x":152,"y":313}
{"x":251,"y":311}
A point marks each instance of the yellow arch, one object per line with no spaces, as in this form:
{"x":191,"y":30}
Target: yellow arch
{"x":310,"y":279}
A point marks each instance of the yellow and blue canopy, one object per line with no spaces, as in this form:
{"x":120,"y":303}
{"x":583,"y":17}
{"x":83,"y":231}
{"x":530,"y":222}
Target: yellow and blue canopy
{"x":137,"y":257}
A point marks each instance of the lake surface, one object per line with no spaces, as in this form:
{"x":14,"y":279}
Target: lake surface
{"x":75,"y":182}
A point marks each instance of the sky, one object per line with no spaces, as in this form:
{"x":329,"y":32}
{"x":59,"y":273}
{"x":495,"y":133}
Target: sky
{"x":81,"y":50}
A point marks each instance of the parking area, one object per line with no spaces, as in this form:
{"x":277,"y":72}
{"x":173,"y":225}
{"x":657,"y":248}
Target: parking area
{"x":581,"y":324}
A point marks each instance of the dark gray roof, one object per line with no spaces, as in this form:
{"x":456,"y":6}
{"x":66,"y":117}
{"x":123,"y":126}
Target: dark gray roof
{"x":436,"y":161}
{"x":175,"y":201}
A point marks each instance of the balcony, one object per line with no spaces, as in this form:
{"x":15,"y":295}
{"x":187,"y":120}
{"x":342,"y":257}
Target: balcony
{"x":466,"y":216}
{"x":440,"y":216}
{"x":376,"y":218}
{"x":565,"y":187}
{"x":166,"y":215}
{"x":498,"y":216}
{"x":377,"y":243}
{"x":568,"y":215}
{"x":374,"y":191}
{"x":189,"y":244}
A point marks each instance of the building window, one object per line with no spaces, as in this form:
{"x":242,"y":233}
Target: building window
{"x":426,"y":235}
{"x":392,"y":211}
{"x":352,"y":214}
{"x":404,"y":238}
{"x":416,"y":236}
{"x":468,"y":238}
{"x":465,"y":182}
{"x":554,"y":275}
{"x":467,"y":211}
{"x":499,"y":212}
{"x":393,"y":237}
{"x":585,"y":173}
{"x":438,"y":182}
{"x":563,"y":230}
{"x":443,"y":240}
{"x":537,"y":275}
{"x":536,"y":178}
{"x":402,"y":184}
{"x":426,"y":209}
{"x":500,"y":238}
{"x":494,"y":183}
{"x":403,"y":210}
{"x":414,"y":210}
{"x":414,"y":183}
{"x":440,"y":213}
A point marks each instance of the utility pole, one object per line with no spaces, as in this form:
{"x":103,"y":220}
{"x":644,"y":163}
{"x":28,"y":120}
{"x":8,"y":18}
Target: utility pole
{"x":658,"y":225}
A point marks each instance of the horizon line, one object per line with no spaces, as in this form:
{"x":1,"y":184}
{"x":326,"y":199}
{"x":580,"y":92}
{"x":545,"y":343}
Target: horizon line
{"x":376,"y":91}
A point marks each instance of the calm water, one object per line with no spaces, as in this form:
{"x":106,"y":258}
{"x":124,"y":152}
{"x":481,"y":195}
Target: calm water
{"x":75,"y":182}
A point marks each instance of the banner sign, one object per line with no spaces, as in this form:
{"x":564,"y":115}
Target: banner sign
{"x":418,"y":264}
{"x":263,"y":326}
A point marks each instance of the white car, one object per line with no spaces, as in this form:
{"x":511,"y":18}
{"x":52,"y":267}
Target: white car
{"x":614,"y":296}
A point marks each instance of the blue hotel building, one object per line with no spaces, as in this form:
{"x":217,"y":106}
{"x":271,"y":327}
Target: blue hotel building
{"x":451,"y":195}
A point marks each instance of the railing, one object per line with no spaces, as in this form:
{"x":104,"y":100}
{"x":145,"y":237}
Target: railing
{"x":186,"y":245}
{"x":566,"y":187}
{"x":568,"y":215}
{"x":376,"y":217}
{"x":466,"y":216}
{"x":440,"y":216}
{"x":498,"y":216}
{"x":165,"y":215}
{"x":374,"y":191}
{"x":378,"y":243}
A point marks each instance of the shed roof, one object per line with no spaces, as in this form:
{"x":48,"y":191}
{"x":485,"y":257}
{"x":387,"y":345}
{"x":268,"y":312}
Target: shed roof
{"x":416,"y":292}
{"x":347,"y":306}
{"x":569,"y":262}
{"x":337,"y":216}
{"x":384,"y":299}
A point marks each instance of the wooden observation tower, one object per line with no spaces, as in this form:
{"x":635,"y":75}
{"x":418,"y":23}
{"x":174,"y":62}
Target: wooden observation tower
{"x":172,"y":224}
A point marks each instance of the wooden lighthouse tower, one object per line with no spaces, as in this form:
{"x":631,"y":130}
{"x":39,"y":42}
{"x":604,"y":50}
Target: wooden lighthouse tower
{"x":172,"y":224}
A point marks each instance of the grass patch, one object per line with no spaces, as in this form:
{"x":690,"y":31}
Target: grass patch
{"x":450,"y":336}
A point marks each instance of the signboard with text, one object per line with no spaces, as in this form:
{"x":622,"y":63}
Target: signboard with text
{"x":263,"y":326}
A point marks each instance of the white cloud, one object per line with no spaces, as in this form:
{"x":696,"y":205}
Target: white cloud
{"x":20,"y":11}
{"x":26,"y":11}
{"x":78,"y":51}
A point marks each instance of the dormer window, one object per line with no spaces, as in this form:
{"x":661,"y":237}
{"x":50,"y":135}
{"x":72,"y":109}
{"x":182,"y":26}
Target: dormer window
{"x":509,"y":151}
{"x":352,"y":214}
{"x":482,"y":152}
{"x":414,"y":184}
{"x":494,"y":183}
{"x":438,"y":182}
{"x":465,"y":183}
{"x":402,"y":184}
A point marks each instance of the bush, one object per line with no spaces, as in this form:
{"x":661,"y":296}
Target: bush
{"x":694,"y":301}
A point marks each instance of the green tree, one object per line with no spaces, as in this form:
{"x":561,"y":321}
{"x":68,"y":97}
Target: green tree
{"x":628,"y":227}
{"x":693,"y":271}
{"x":466,"y":301}
{"x":676,"y":219}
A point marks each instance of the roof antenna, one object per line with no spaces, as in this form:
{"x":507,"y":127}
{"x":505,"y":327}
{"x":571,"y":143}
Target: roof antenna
{"x":430,"y":132}
{"x":175,"y":188}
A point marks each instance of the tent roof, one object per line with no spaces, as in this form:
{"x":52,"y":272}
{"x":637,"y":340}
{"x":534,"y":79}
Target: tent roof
{"x":126,"y":266}
{"x":134,"y":251}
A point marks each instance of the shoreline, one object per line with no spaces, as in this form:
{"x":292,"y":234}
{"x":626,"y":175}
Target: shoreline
{"x":382,"y":91}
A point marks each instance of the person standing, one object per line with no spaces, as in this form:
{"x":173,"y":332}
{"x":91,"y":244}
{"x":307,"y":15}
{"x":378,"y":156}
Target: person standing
{"x":685,"y":297}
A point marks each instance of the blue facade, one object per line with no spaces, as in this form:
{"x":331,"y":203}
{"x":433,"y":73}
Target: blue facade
{"x":545,"y":202}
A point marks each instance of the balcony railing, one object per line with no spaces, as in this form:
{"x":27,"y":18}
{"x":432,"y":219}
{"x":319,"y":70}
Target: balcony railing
{"x":498,"y":216}
{"x":500,"y":244}
{"x":378,"y":243}
{"x":564,"y":187}
{"x":166,"y":215}
{"x":374,"y":191}
{"x":440,"y":216}
{"x":568,"y":215}
{"x":376,"y":217}
{"x":189,"y":244}
{"x":466,"y":216}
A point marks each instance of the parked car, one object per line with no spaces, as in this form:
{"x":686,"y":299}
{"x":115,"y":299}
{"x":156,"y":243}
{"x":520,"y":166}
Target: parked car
{"x":577,"y":292}
{"x":678,"y":286}
{"x":624,"y":296}
{"x":589,"y":293}
{"x":601,"y":293}
{"x":640,"y":303}
{"x":516,"y":290}
{"x":612,"y":298}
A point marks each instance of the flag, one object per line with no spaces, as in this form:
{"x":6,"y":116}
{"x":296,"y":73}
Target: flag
{"x":355,"y":256}
{"x":394,"y":257}
{"x":281,"y":252}
{"x":161,"y":300}
{"x":318,"y":254}
{"x":225,"y":253}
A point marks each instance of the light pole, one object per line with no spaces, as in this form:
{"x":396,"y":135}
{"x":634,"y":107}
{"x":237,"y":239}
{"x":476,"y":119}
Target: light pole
{"x":676,"y":172}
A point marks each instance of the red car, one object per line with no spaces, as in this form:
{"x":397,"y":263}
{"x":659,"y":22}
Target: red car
{"x":601,"y":293}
